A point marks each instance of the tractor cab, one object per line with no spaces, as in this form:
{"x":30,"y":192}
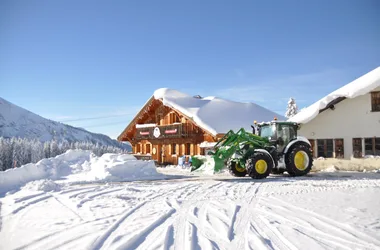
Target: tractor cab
{"x":278,"y":133}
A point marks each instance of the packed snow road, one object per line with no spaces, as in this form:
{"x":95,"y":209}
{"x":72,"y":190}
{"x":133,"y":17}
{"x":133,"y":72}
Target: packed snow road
{"x":321,"y":211}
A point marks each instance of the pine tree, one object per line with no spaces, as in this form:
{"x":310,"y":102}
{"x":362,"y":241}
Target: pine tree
{"x":47,"y":149}
{"x":54,"y":149}
{"x":292,"y":109}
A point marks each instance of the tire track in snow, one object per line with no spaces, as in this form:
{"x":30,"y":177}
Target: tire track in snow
{"x":192,"y":219}
{"x":196,"y":240}
{"x":28,"y":197}
{"x":104,"y":236}
{"x":39,"y":243}
{"x":75,"y":190}
{"x":32,"y":202}
{"x":299,"y":224}
{"x":135,"y":241}
{"x":249,"y":227}
{"x":91,"y":197}
{"x":273,"y":236}
{"x":242,"y":219}
{"x":68,"y":205}
{"x":87,"y":190}
{"x":351,"y":235}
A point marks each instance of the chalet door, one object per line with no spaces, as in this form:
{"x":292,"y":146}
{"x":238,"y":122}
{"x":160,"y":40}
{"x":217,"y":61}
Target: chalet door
{"x":156,"y":153}
{"x":159,"y":153}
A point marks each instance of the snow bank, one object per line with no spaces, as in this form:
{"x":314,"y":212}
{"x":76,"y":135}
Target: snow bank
{"x":358,"y":87}
{"x":42,"y":185}
{"x":354,"y":164}
{"x":78,"y":166}
{"x":113,"y":167}
{"x":216,"y":115}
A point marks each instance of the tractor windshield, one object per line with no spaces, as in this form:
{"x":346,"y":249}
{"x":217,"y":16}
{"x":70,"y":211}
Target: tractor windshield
{"x":267,"y":131}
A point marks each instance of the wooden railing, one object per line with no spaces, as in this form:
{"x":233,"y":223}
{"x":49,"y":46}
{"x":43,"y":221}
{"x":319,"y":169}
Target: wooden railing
{"x":179,"y":130}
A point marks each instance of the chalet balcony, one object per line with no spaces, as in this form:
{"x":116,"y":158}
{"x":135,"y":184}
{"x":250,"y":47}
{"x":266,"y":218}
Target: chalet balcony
{"x":180,"y":130}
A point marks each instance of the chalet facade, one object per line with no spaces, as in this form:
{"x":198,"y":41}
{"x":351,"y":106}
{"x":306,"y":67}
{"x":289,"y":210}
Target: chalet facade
{"x":172,"y":124}
{"x":165,"y":133}
{"x":346,"y":123}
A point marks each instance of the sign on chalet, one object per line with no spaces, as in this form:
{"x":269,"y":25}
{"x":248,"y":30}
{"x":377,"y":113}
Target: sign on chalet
{"x":172,"y":124}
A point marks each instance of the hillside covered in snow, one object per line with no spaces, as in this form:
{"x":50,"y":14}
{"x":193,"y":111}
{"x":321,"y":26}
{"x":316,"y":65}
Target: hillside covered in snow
{"x":19,"y":122}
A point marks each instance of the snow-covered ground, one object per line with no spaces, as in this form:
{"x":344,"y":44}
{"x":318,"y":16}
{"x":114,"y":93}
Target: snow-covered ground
{"x":183,"y":210}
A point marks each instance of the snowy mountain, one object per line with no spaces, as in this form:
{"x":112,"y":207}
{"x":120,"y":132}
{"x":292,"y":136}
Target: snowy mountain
{"x":18,"y":122}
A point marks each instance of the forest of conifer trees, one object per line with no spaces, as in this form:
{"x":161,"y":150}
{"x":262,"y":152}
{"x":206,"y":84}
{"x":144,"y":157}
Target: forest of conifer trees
{"x":16,"y":152}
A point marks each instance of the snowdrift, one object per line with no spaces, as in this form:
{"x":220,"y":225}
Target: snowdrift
{"x":354,"y":164}
{"x":80,"y":166}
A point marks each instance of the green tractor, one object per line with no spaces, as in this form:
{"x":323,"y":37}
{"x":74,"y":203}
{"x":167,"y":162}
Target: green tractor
{"x":275,"y":149}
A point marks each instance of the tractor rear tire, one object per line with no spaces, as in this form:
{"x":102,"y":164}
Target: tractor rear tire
{"x":299,"y":160}
{"x":260,"y":165}
{"x":235,"y":169}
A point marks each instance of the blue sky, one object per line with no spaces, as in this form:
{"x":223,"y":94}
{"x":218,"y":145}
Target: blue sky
{"x":71,"y":60}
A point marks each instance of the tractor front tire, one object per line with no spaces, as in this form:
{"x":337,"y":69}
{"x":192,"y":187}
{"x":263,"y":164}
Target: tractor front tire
{"x":259,"y":166}
{"x":235,"y":169}
{"x":299,"y":160}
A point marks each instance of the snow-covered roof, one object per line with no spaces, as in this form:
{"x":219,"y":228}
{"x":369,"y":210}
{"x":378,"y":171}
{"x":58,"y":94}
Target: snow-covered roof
{"x":213,"y":114}
{"x":358,"y":87}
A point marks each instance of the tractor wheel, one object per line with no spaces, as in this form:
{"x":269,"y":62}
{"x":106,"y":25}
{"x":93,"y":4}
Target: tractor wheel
{"x":299,"y":160}
{"x":278,"y":171}
{"x":259,"y":166}
{"x":235,"y":169}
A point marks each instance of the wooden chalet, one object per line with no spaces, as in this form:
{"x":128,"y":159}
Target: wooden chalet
{"x":165,"y":133}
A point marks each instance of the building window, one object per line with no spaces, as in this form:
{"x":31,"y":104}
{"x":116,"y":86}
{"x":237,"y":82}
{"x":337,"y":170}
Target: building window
{"x":138,"y":148}
{"x":372,"y":146}
{"x":312,"y":142}
{"x":174,"y":151}
{"x":339,"y":148}
{"x":375,"y":100}
{"x":357,"y":147}
{"x":325,"y":148}
{"x":147,"y":148}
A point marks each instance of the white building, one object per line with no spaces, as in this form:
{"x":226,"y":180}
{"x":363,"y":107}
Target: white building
{"x":345,"y":123}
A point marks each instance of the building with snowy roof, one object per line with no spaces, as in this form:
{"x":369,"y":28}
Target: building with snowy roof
{"x":345,"y":123}
{"x":172,"y":124}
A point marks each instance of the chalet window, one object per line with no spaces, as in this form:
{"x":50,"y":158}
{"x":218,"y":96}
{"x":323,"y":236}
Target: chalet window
{"x":138,"y":148}
{"x":174,"y":118}
{"x":372,"y":146}
{"x":174,"y":149}
{"x":339,"y":148}
{"x":375,"y":100}
{"x":325,"y":148}
{"x":147,"y":148}
{"x":357,"y":147}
